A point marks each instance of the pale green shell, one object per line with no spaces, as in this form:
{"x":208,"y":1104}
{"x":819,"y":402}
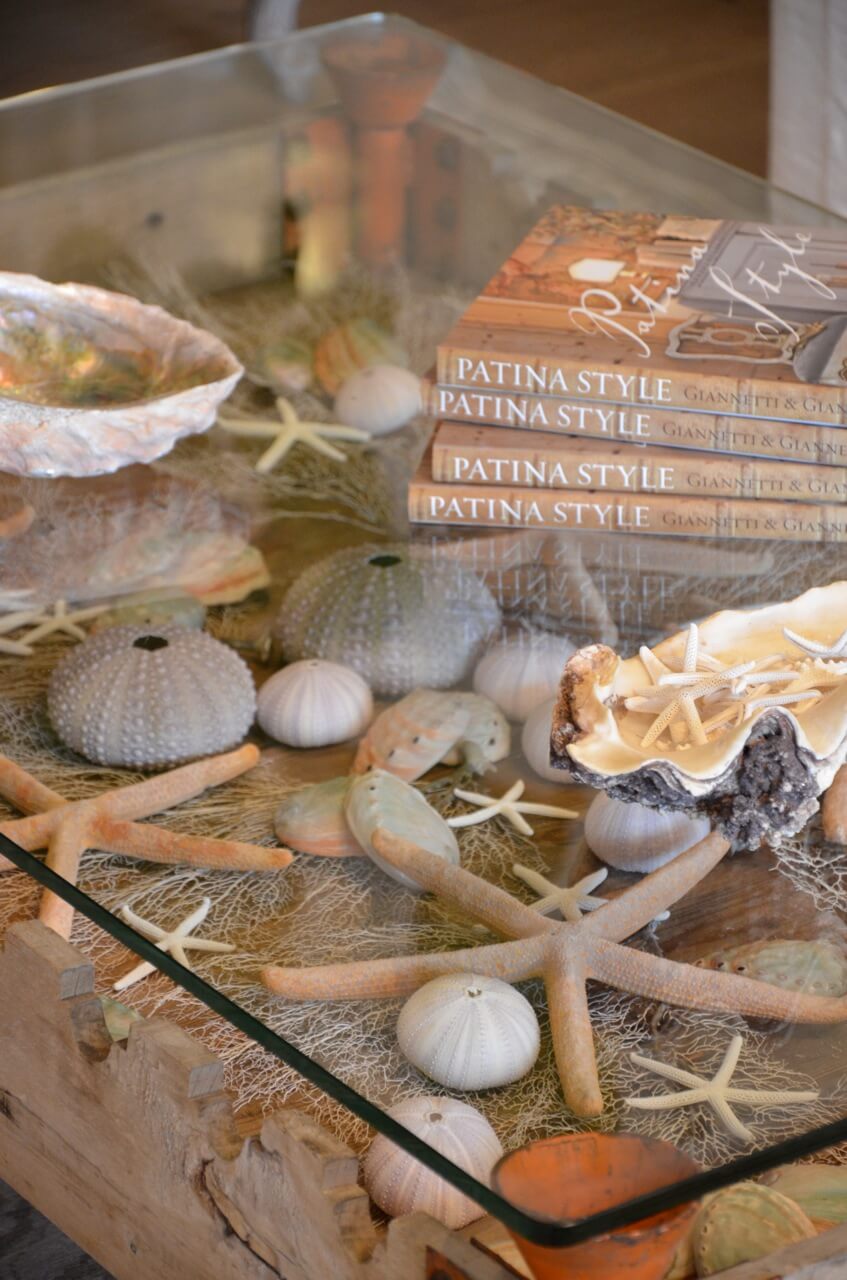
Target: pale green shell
{"x":378,"y":799}
{"x":312,"y":821}
{"x":355,"y":344}
{"x":817,"y":967}
{"x":400,"y":620}
{"x":819,"y":1189}
{"x":185,"y":611}
{"x":745,"y":1222}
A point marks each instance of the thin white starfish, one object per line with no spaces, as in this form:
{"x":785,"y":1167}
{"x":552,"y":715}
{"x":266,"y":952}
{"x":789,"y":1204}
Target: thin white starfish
{"x":815,"y":648}
{"x":682,"y":702}
{"x":508,"y":806}
{"x":693,"y":659}
{"x":13,"y":622}
{"x":571,"y":900}
{"x":46,"y":622}
{"x":718,"y":1093}
{"x":176,"y":942}
{"x":290,"y":430}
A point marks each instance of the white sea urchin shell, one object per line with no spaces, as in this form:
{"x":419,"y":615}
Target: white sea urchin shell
{"x":129,"y":696}
{"x":469,"y":1032}
{"x":535,"y":742}
{"x":314,"y":704}
{"x":522,"y":672}
{"x":632,"y":837}
{"x":378,"y":399}
{"x":400,"y":1184}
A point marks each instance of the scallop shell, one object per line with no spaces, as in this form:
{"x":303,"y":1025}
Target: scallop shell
{"x":313,"y":821}
{"x":351,"y":346}
{"x":126,"y":696}
{"x":819,"y":967}
{"x":401,"y":622}
{"x":314,"y":704}
{"x":426,"y":727}
{"x":378,"y":799}
{"x":521,"y":673}
{"x":752,"y":779}
{"x":400,"y":1184}
{"x":819,"y":1189}
{"x":745,"y":1222}
{"x":379,"y":399}
{"x":535,"y":743}
{"x":469,"y":1032}
{"x":93,"y":380}
{"x":632,"y":837}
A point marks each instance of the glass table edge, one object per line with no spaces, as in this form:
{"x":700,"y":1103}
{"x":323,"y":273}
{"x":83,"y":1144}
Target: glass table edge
{"x":538,"y":1230}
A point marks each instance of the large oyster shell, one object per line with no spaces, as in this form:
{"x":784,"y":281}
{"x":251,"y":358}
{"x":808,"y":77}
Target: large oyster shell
{"x":752,"y":779}
{"x":91,"y":380}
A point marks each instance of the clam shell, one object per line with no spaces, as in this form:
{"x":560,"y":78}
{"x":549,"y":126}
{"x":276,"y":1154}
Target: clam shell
{"x":378,"y":799}
{"x":632,"y":837}
{"x":819,"y":967}
{"x":95,"y":380}
{"x":535,"y":743}
{"x":521,"y":673}
{"x":314,"y":704}
{"x":400,"y":1184}
{"x":313,"y":821}
{"x":469,"y":1032}
{"x":413,"y":735}
{"x":745,"y":1222}
{"x":819,"y":1189}
{"x":379,"y":399}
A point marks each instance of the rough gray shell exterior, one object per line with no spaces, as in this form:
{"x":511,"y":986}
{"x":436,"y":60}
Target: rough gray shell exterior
{"x":148,"y":699}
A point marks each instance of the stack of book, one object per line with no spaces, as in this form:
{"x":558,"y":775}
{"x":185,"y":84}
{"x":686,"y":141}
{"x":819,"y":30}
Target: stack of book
{"x":648,"y":374}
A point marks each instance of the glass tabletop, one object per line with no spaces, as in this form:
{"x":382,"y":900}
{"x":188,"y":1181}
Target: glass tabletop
{"x":261,"y":192}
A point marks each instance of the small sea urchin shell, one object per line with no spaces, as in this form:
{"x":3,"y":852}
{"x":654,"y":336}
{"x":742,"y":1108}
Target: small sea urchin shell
{"x":379,"y":399}
{"x":535,"y":743}
{"x":314,"y":704}
{"x":142,"y":699}
{"x":469,"y":1032}
{"x":522,"y":672}
{"x":398,"y":620}
{"x":632,"y":837}
{"x":400,"y":1184}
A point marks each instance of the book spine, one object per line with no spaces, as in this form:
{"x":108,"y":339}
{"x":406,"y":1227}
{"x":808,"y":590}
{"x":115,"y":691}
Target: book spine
{"x":491,"y":507}
{"x":641,"y":424}
{"x":498,"y":456}
{"x":638,"y":384}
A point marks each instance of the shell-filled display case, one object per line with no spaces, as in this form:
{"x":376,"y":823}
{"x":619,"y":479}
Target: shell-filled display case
{"x":409,"y":901}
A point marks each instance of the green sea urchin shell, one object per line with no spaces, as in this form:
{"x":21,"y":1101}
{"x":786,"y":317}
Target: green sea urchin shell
{"x":743,"y":1223}
{"x":819,"y":1189}
{"x":817,"y":967}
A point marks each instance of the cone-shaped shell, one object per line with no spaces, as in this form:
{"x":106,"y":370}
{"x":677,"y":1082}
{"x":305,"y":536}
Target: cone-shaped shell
{"x":400,"y":1184}
{"x":520,"y":673}
{"x":425,"y":727}
{"x":818,"y":967}
{"x":128,"y":696}
{"x":314,"y":704}
{"x":401,"y":621}
{"x":379,"y":800}
{"x":469,"y":1032}
{"x":313,"y":821}
{"x":745,"y":1222}
{"x":632,"y":837}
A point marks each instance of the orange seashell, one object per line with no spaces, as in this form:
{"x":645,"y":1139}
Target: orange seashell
{"x":427,"y":726}
{"x":351,"y":346}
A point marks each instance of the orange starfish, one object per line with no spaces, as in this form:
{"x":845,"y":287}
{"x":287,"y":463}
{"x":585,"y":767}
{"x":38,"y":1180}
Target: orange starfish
{"x":566,"y":955}
{"x":67,"y":828}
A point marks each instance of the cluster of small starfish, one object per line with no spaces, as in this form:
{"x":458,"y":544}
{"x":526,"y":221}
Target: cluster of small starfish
{"x":707,"y":696}
{"x":43,"y":623}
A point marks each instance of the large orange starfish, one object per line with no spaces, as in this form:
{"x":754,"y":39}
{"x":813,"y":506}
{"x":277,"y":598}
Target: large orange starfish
{"x":67,"y":828}
{"x":566,"y":955}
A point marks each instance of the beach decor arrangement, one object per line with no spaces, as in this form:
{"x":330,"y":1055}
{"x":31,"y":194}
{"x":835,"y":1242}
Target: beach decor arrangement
{"x":146,"y":700}
{"x":314,"y":703}
{"x":522,"y":672}
{"x":400,"y":621}
{"x":93,"y":380}
{"x":427,"y":728}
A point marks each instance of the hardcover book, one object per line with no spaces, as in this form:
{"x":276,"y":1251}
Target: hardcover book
{"x":718,"y":316}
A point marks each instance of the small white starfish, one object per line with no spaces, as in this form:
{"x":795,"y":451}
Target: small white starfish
{"x":46,"y":622}
{"x":508,"y":806}
{"x":814,"y":648}
{"x":571,"y":900}
{"x":13,"y":622}
{"x":291,"y":430}
{"x":176,"y":942}
{"x":681,"y":702}
{"x":718,"y":1093}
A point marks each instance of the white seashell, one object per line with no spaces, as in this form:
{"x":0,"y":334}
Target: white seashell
{"x":632,"y":837}
{"x":378,"y":799}
{"x":314,"y":703}
{"x":469,"y":1032}
{"x":519,"y":674}
{"x":129,"y":696}
{"x":535,"y":742}
{"x":429,"y":726}
{"x":379,"y":399}
{"x":400,"y":1184}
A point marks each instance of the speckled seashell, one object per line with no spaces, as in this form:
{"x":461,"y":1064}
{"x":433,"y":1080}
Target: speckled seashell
{"x":128,"y":696}
{"x":819,"y":1189}
{"x":427,"y":727}
{"x":817,"y":966}
{"x":632,"y":837}
{"x":378,"y":799}
{"x":521,"y":673}
{"x":314,"y":704}
{"x":398,"y":620}
{"x":400,"y":1184}
{"x":469,"y":1032}
{"x":350,"y":346}
{"x":535,"y":742}
{"x":745,"y":1222}
{"x":312,"y":821}
{"x":379,"y":399}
